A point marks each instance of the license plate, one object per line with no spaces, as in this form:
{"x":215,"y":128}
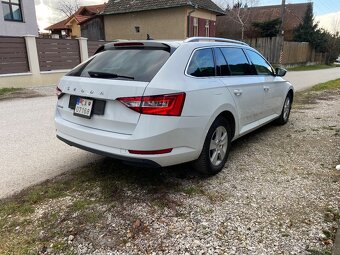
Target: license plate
{"x":83,"y":107}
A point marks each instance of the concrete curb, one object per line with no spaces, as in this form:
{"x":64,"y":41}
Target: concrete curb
{"x":336,"y":246}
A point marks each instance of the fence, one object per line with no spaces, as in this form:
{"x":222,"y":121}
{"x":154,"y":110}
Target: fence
{"x":58,"y":54}
{"x":14,"y":60}
{"x":29,"y":61}
{"x":294,"y":53}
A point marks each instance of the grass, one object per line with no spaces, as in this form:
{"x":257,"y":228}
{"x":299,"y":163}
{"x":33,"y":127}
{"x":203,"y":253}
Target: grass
{"x":4,"y":91}
{"x":320,"y":252}
{"x":19,"y":228}
{"x":311,"y":67}
{"x":78,"y":201}
{"x":309,"y":96}
{"x":330,"y":85}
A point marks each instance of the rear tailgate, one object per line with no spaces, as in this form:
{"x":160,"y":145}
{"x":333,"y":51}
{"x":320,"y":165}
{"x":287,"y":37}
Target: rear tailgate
{"x":90,"y":90}
{"x":107,"y":114}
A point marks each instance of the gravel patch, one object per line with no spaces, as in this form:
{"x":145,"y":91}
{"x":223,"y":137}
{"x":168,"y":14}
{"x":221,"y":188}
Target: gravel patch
{"x":278,"y":194}
{"x":45,"y":90}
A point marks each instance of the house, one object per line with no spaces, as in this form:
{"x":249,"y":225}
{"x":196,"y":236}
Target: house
{"x":18,"y":18}
{"x":70,"y":27}
{"x":227,"y":27}
{"x":161,"y":19}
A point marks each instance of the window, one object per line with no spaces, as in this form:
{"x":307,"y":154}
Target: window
{"x":202,"y":64}
{"x":12,"y":10}
{"x":222,"y":68}
{"x":141,"y":64}
{"x":237,"y":61}
{"x":195,"y":25}
{"x":261,"y":65}
{"x":207,"y":34}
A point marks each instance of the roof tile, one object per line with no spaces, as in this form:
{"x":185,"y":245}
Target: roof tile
{"x":125,"y":6}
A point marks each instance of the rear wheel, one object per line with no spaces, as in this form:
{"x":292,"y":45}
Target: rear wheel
{"x":215,"y":149}
{"x":287,"y":106}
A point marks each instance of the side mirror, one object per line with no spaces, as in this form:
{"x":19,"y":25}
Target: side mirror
{"x":280,"y":71}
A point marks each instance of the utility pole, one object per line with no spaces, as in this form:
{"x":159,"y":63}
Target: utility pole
{"x":283,"y":10}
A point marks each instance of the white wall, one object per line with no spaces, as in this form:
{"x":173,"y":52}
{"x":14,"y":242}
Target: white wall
{"x":28,"y":27}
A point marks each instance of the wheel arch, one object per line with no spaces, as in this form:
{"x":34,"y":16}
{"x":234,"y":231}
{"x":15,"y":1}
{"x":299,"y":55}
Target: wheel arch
{"x":230,"y":113}
{"x":291,"y":94}
{"x":231,"y":120}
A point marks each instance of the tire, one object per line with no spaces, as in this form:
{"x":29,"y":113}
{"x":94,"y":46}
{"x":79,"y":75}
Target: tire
{"x":287,"y":106}
{"x":212,"y":160}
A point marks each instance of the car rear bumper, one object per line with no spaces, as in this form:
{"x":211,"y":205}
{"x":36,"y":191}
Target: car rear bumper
{"x":183,"y":137}
{"x":140,"y":162}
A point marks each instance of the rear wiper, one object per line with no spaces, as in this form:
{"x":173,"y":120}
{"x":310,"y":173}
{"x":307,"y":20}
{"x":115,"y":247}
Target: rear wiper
{"x":104,"y":75}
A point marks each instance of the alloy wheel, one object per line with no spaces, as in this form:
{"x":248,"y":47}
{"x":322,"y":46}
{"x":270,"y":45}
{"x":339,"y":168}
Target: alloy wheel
{"x":218,"y":146}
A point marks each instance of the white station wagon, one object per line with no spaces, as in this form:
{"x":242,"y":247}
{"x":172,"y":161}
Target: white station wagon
{"x":163,"y":103}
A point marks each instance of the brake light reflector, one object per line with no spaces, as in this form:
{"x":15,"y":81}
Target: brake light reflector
{"x":168,"y":105}
{"x":59,"y":93}
{"x":128,"y":44}
{"x":151,"y":152}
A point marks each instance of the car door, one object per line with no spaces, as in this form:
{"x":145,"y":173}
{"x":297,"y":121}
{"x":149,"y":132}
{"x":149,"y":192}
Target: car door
{"x":273,"y":92}
{"x":244,"y":85}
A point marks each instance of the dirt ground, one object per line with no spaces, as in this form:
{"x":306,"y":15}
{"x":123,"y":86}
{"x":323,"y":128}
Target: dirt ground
{"x":278,"y":194}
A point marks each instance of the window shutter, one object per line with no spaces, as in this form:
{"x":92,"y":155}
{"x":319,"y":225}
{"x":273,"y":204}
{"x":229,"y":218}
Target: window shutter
{"x":190,"y":26}
{"x":212,"y":28}
{"x":201,"y":27}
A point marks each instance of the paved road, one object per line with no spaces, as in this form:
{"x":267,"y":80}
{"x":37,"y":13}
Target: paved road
{"x":306,"y":79}
{"x":30,"y":153}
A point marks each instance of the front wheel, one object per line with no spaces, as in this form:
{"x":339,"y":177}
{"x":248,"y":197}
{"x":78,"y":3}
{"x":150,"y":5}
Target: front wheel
{"x":287,"y":106}
{"x":215,"y":149}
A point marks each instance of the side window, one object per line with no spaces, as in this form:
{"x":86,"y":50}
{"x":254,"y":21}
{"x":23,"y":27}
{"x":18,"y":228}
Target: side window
{"x":237,"y":61}
{"x":222,"y":68}
{"x":202,"y":64}
{"x":261,"y":65}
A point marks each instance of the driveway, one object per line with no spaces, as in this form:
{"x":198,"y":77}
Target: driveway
{"x":30,"y":153}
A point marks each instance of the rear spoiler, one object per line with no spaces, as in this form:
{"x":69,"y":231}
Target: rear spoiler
{"x":134,"y":44}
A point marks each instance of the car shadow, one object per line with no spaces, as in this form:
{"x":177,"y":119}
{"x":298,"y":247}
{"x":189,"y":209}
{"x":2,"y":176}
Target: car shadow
{"x":114,"y":175}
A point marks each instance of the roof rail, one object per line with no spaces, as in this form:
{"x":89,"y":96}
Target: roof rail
{"x":214,"y":39}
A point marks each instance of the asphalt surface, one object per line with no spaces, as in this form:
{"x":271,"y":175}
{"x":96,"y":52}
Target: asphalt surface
{"x":306,"y":79}
{"x":30,"y":153}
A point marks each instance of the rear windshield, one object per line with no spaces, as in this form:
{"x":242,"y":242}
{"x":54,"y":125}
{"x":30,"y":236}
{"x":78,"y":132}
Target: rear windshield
{"x":124,"y":64}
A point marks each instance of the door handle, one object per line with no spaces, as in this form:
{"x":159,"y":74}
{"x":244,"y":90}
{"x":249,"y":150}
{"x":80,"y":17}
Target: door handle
{"x":237,"y":92}
{"x":266,"y":88}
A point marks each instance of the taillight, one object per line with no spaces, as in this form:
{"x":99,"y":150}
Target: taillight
{"x":169,"y":105}
{"x":59,"y":92}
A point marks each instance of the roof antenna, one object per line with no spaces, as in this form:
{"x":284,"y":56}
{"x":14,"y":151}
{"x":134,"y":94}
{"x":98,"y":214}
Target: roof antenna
{"x":148,"y":37}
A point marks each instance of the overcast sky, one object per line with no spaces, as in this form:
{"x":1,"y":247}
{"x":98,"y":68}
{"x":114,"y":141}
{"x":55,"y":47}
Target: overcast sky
{"x":326,"y":11}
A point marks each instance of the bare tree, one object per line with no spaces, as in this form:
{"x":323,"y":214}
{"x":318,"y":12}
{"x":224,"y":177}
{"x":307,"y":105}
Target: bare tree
{"x":237,"y":11}
{"x":67,"y":7}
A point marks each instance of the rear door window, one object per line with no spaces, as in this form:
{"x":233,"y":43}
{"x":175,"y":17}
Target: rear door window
{"x":222,"y":68}
{"x":237,"y":61}
{"x":124,"y":64}
{"x":261,"y":65}
{"x":202,"y":64}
